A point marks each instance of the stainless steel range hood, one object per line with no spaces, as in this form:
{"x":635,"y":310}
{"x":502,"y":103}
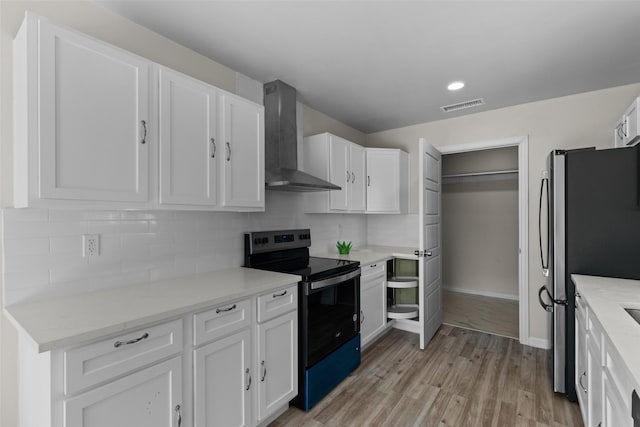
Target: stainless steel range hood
{"x":281,"y":143}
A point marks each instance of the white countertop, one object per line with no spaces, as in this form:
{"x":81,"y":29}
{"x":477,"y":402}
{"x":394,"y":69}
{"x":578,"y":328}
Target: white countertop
{"x":607,"y":298}
{"x":70,"y":320}
{"x":370,"y":254}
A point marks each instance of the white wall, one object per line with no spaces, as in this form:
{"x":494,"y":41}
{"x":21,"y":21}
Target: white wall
{"x":42,"y":252}
{"x":580,"y":120}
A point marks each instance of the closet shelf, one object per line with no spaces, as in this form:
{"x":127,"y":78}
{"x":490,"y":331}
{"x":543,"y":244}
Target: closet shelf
{"x":480,"y":176}
{"x":402,"y":311}
{"x":402,"y":282}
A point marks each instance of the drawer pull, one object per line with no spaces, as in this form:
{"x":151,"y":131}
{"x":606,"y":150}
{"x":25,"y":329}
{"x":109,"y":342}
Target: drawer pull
{"x":264,"y":372}
{"x":133,"y":341}
{"x":584,"y":374}
{"x":220,"y":310}
{"x":283,"y":293}
{"x":248,"y":375}
{"x":179,"y":412}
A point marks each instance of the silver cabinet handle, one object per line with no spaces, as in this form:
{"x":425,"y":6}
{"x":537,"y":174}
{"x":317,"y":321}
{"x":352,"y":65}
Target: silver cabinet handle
{"x":133,"y":341}
{"x":248,"y":375}
{"x":429,"y":253}
{"x":361,"y":317}
{"x":368,"y":180}
{"x":213,"y":148}
{"x":264,"y":371}
{"x":144,"y":132}
{"x":353,"y":178}
{"x":220,"y":310}
{"x":373,"y":265}
{"x":584,"y":374}
{"x":228,"y":151}
{"x":348,"y":176}
{"x":281,"y":294}
{"x":179,"y":412}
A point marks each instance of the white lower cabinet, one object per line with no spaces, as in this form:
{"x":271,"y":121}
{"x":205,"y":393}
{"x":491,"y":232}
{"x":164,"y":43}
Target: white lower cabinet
{"x":151,"y":397}
{"x":373,"y":302}
{"x":277,"y":363}
{"x":222,"y":382}
{"x":602,"y":383}
{"x":236,"y":369}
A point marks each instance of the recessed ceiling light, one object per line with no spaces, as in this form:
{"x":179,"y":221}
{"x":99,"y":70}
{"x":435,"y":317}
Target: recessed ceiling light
{"x":455,"y":85}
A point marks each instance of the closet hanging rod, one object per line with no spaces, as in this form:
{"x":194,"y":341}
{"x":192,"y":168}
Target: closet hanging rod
{"x":463,"y":175}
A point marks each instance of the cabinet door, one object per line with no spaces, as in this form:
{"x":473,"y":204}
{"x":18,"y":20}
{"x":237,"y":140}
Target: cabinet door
{"x":93,"y":119}
{"x":595,"y":386}
{"x":373,"y":306}
{"x":148,"y":398}
{"x":357,"y":187}
{"x":188,"y":145}
{"x":616,"y":413}
{"x":244,"y":153}
{"x":339,"y":173}
{"x":382,"y":181}
{"x":222,"y":382}
{"x":581,"y":378}
{"x":277,"y":363}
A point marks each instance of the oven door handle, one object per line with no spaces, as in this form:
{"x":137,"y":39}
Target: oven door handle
{"x":334,"y":280}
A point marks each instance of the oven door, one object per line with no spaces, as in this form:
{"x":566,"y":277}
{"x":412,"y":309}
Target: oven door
{"x":330,"y":315}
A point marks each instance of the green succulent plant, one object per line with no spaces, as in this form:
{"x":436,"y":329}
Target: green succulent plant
{"x":343,"y":248}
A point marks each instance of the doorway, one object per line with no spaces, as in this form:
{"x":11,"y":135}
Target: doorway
{"x":485,"y":218}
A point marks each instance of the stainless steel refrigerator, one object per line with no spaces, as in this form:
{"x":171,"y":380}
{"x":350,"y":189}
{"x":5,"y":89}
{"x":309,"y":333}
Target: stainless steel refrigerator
{"x":589,"y":223}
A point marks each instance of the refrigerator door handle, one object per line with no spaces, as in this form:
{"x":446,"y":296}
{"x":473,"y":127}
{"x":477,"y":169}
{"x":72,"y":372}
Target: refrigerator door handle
{"x":547,"y":307}
{"x":543,"y":181}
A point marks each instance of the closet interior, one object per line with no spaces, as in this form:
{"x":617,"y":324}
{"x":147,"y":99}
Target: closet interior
{"x":480,"y":240}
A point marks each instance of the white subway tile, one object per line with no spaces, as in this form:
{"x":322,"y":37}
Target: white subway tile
{"x":33,"y":246}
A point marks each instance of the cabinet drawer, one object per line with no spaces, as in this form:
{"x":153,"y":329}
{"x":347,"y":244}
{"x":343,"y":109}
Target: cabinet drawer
{"x":101,"y":361}
{"x":276,"y":303}
{"x":595,"y":333}
{"x":373,"y":270}
{"x":220,"y":321}
{"x":581,"y":310}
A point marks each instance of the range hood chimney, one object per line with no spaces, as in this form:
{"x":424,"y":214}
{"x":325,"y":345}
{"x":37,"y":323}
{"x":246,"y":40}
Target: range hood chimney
{"x":281,"y":143}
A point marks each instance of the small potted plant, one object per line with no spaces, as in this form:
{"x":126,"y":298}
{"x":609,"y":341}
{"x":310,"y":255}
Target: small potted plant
{"x":343,"y":248}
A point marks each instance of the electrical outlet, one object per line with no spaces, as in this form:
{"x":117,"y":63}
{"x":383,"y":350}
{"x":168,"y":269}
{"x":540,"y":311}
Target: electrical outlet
{"x":90,"y":245}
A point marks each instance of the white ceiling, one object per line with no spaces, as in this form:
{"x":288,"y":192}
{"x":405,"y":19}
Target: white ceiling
{"x":378,"y":65}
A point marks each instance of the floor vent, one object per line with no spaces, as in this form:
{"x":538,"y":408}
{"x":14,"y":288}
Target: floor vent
{"x":463,"y":105}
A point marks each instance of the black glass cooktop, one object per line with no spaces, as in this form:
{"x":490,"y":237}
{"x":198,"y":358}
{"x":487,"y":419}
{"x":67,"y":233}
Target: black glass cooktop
{"x":311,"y":268}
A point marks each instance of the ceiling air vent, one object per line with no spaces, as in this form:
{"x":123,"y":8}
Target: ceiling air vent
{"x":463,"y":105}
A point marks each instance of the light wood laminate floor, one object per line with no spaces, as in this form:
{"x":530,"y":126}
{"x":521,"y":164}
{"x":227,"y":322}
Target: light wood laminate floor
{"x":463,"y":378}
{"x":485,"y":314}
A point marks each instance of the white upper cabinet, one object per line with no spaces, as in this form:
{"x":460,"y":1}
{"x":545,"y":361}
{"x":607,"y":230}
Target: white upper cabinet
{"x":626,"y":132}
{"x":84,"y":132}
{"x":243,"y":143}
{"x":340,"y":162}
{"x":82,"y":122}
{"x":358,"y":169}
{"x":387,"y":181}
{"x":189,"y":147}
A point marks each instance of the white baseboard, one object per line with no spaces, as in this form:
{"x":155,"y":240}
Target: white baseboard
{"x":480,"y":292}
{"x":538,"y":343}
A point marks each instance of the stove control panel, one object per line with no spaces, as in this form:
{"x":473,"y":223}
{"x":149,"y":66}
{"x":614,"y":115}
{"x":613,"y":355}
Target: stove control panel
{"x":276,"y":240}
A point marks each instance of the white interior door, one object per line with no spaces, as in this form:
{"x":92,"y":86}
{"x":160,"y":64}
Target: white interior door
{"x":429,"y":259}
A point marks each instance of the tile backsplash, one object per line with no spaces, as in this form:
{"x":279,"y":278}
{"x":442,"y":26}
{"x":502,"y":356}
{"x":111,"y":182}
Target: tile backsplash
{"x":42,"y":248}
